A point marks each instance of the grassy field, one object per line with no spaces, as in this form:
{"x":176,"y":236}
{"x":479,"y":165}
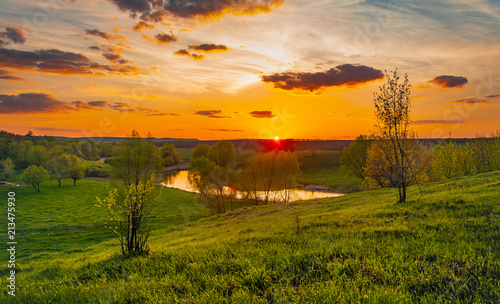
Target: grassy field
{"x":323,"y":168}
{"x":336,"y":250}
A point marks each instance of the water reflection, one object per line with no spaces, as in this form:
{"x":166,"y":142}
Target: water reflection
{"x":179,"y":180}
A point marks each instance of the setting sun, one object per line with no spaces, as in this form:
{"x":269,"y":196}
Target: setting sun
{"x":276,"y":138}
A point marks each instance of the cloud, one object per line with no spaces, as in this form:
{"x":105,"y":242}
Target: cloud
{"x":447,"y":81}
{"x":13,"y":34}
{"x":32,"y":103}
{"x":433,"y":122}
{"x":184,"y":52}
{"x":208,"y":48}
{"x":59,"y":62}
{"x":470,"y":101}
{"x":57,"y":129}
{"x":6,"y":75}
{"x":493,"y":96}
{"x":262,"y":114}
{"x":165,"y":38}
{"x":94,"y":105}
{"x":159,"y":10}
{"x":346,"y":74}
{"x":142,"y":25}
{"x":103,"y":35}
{"x":211,"y":113}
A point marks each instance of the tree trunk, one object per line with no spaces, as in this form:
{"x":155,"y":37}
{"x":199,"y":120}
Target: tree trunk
{"x":74,"y":181}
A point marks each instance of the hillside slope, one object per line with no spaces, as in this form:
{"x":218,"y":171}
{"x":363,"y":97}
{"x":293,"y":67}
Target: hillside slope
{"x":441,"y":246}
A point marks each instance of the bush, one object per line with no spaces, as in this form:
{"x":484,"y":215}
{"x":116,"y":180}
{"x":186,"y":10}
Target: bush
{"x":95,"y":169}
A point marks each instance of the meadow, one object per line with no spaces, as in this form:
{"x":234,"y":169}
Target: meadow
{"x":440,"y":246}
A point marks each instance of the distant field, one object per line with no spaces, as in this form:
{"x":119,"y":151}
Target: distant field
{"x":354,"y":249}
{"x":323,"y":168}
{"x":185,"y":153}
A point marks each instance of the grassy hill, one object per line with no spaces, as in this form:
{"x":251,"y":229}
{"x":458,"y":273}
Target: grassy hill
{"x":441,"y":246}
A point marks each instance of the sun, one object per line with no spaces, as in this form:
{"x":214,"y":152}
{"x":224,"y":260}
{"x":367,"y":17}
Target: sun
{"x":276,"y":138}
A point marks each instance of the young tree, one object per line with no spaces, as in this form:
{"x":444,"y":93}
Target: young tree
{"x":392,"y":134}
{"x":213,"y":175}
{"x":200,"y":150}
{"x":135,"y":166}
{"x":223,"y":153}
{"x":169,"y":155}
{"x":59,"y":167}
{"x":34,"y":176}
{"x":76,"y":168}
{"x":7,"y":168}
{"x":353,"y":159}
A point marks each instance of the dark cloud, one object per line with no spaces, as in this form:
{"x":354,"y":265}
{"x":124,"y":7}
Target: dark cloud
{"x":13,"y":34}
{"x":94,"y":105}
{"x":165,"y":38}
{"x":447,"y":81}
{"x":184,"y":52}
{"x":103,"y":35}
{"x":470,"y":101}
{"x":59,"y":62}
{"x":2,"y":43}
{"x":98,"y":103}
{"x":95,"y":48}
{"x":32,"y":103}
{"x":158,"y":10}
{"x":262,"y":114}
{"x":346,"y":74}
{"x":142,"y":25}
{"x":432,"y":122}
{"x":6,"y":75}
{"x":493,"y":96}
{"x":208,"y":48}
{"x":211,"y":113}
{"x":29,"y":103}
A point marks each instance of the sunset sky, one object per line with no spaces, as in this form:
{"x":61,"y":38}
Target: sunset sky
{"x":212,"y":69}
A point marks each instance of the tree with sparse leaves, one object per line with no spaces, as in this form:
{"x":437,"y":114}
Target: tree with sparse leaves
{"x":393,"y":152}
{"x":134,"y":166}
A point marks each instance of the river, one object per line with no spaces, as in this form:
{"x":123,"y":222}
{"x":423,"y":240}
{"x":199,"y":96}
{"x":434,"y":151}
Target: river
{"x":179,"y":180}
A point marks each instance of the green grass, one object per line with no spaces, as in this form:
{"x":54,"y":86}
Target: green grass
{"x":185,"y":153}
{"x":323,"y":168}
{"x":335,"y":250}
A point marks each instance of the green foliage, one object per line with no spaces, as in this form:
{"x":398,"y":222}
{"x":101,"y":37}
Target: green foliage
{"x":34,"y":176}
{"x":223,"y":153}
{"x":392,"y":155}
{"x":7,"y":168}
{"x":353,"y":159}
{"x":89,"y":150}
{"x":213,"y":175}
{"x":136,"y":160}
{"x":269,"y":172}
{"x":76,"y":168}
{"x":199,"y":151}
{"x":128,"y":214}
{"x":135,"y":163}
{"x":96,"y":169}
{"x":169,"y":155}
{"x":59,"y":167}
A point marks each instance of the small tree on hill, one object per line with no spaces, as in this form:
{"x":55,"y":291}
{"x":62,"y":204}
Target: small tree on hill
{"x":395,"y":156}
{"x":34,"y":176}
{"x":135,"y":166}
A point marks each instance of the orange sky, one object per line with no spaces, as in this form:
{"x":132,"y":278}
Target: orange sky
{"x":245,"y":68}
